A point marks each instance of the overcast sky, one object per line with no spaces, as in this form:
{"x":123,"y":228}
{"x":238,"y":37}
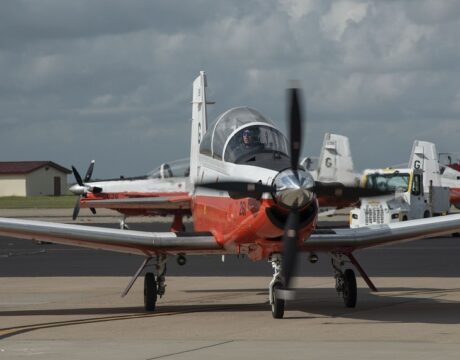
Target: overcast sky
{"x":112,"y":80}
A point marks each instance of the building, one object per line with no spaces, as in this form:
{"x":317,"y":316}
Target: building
{"x":30,"y":178}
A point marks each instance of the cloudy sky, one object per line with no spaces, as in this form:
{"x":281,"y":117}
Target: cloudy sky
{"x":112,"y":80}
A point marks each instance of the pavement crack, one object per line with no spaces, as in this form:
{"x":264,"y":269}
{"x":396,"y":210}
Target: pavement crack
{"x":190,"y":350}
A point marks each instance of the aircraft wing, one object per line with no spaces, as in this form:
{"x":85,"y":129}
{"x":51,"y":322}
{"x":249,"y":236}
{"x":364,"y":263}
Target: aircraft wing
{"x":125,"y":241}
{"x":155,"y":203}
{"x":348,"y":240}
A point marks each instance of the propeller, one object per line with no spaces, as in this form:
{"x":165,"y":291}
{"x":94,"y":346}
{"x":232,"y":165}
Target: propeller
{"x":239,"y":189}
{"x":292,"y":188}
{"x":82,"y":189}
{"x":290,"y":237}
{"x":344,"y":192}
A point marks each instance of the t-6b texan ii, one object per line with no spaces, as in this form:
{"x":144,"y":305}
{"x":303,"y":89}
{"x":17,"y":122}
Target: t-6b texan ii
{"x":247,"y":195}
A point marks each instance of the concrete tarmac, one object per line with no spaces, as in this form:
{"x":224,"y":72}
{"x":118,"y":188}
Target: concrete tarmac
{"x":415,"y":315}
{"x":227,"y":318}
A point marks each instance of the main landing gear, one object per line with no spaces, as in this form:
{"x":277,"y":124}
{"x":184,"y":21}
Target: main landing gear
{"x":345,"y":281}
{"x":123,"y":224}
{"x":155,"y":287}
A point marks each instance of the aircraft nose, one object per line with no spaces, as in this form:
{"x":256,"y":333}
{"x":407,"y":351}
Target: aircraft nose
{"x":77,"y":189}
{"x":294,"y":188}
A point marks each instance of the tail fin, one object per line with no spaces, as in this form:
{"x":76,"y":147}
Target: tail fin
{"x":199,"y":122}
{"x":424,"y":156}
{"x":335,"y":161}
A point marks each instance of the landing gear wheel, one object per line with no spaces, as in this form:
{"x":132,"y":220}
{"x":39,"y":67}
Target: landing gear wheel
{"x":277,"y":304}
{"x":150,"y":292}
{"x":349,"y":292}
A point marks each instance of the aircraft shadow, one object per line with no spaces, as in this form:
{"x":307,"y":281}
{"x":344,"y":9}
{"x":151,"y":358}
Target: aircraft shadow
{"x":410,"y":305}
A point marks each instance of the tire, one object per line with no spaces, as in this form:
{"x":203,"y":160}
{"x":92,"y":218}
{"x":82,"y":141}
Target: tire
{"x":150,"y":292}
{"x":278,"y":304}
{"x":350,"y":292}
{"x":426,"y":214}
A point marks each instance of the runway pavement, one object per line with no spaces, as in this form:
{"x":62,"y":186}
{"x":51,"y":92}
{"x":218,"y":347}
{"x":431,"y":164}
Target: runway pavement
{"x":227,"y":318}
{"x":59,"y":302}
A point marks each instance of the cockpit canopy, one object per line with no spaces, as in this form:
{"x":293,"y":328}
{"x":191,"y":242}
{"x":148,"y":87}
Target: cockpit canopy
{"x":172,"y":169}
{"x":240,"y":132}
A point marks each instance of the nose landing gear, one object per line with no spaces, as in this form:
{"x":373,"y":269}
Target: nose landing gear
{"x":276,"y":284}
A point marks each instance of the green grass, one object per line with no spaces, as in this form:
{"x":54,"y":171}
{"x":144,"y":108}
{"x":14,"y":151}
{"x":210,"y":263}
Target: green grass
{"x":38,"y":202}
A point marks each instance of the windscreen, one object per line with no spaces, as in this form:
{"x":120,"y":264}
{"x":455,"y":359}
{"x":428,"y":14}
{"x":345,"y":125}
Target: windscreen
{"x":388,"y":182}
{"x":255,"y":139}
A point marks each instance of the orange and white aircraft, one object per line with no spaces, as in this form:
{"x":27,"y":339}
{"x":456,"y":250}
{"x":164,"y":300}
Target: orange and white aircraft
{"x":247,"y":196}
{"x":164,"y":191}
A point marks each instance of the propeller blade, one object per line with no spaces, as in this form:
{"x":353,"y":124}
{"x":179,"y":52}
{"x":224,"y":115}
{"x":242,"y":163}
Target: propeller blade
{"x":76,"y":209}
{"x":89,"y":172}
{"x":240,"y":189}
{"x":77,"y":176}
{"x":295,"y":126}
{"x":93,"y":210}
{"x":290,"y":239}
{"x":339,"y":190}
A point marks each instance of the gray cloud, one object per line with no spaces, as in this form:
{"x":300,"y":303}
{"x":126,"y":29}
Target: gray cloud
{"x":111,"y":80}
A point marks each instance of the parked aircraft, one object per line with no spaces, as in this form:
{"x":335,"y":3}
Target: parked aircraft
{"x":164,"y":191}
{"x":450,"y":175}
{"x":248,"y":195}
{"x":334,"y":165}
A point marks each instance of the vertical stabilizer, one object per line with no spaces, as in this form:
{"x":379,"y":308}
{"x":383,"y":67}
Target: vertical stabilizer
{"x":425,"y":157}
{"x":335,"y":161}
{"x":199,"y":123}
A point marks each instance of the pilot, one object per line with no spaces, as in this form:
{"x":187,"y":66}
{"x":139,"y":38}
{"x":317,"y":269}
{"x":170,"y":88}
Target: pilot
{"x":250,"y":139}
{"x":247,"y":139}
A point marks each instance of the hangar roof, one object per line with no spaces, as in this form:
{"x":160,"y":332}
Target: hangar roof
{"x":25,"y":167}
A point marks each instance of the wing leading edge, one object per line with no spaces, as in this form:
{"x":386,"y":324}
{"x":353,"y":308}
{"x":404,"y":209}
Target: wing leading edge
{"x":125,"y":241}
{"x":347,"y":240}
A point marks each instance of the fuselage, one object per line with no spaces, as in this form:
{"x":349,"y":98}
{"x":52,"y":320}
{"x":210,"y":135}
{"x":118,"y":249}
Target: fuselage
{"x":248,"y":225}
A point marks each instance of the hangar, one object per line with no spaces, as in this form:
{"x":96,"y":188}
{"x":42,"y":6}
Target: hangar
{"x":31,"y":178}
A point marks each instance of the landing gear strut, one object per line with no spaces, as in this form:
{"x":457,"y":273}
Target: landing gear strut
{"x":345,"y":281}
{"x":276,"y":284}
{"x":123,"y":224}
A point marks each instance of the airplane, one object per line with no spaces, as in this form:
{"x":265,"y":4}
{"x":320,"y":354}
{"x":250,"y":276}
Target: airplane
{"x":164,"y":191}
{"x":334,"y":165}
{"x":450,"y":175}
{"x":248,"y":196}
{"x":169,"y":183}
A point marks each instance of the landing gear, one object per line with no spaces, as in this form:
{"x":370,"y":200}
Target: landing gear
{"x":150,"y":292}
{"x":161,"y":271}
{"x":277,"y":303}
{"x":123,"y":224}
{"x":155,"y":287}
{"x":345,"y":281}
{"x":349,"y":291}
{"x":276,"y":284}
